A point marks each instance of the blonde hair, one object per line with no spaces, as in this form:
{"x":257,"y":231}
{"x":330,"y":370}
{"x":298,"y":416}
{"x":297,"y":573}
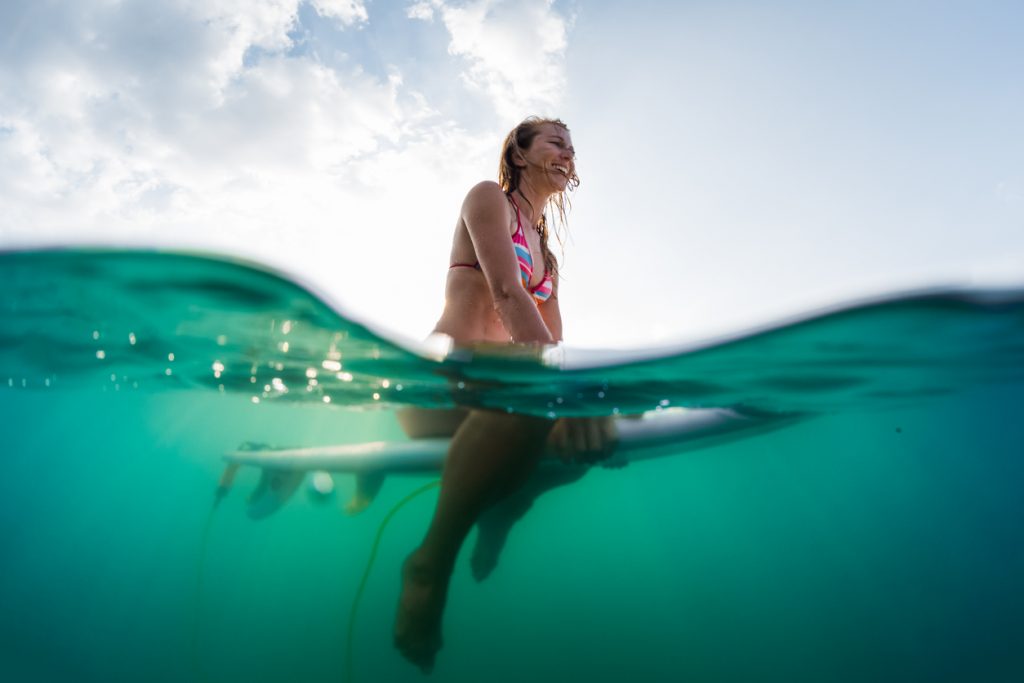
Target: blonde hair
{"x":510,"y":175}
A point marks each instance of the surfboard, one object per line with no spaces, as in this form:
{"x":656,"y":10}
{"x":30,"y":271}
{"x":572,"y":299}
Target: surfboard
{"x":651,"y":435}
{"x":645,"y":437}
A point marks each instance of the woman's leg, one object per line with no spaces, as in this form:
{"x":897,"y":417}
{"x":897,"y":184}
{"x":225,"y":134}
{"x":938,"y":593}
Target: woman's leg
{"x":491,"y":455}
{"x":427,"y":423}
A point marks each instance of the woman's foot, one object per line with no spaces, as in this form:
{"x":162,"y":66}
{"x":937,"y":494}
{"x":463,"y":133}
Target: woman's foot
{"x":420,"y":607}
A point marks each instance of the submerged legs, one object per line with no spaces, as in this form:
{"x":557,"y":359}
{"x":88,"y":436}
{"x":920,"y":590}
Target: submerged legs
{"x":491,"y":455}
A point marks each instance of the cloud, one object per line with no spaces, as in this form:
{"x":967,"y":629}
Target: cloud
{"x":513,"y":51}
{"x":424,"y":11}
{"x":347,"y":12}
{"x":115,"y":111}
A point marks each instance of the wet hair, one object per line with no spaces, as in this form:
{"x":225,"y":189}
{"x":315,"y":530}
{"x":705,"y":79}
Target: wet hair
{"x":510,"y":175}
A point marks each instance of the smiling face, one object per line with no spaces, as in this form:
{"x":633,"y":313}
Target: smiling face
{"x":550,"y":157}
{"x":538,"y":154}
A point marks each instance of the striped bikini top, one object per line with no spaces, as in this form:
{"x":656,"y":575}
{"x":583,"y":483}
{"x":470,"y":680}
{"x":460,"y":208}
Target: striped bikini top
{"x":540,"y":293}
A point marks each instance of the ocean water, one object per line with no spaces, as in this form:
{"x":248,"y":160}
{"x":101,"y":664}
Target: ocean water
{"x":879,"y":536}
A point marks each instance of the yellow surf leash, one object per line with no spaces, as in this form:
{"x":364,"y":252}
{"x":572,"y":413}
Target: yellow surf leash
{"x":369,"y":567}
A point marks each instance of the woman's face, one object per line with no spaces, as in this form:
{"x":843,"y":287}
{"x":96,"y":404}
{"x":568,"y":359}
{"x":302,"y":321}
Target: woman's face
{"x":551,"y":156}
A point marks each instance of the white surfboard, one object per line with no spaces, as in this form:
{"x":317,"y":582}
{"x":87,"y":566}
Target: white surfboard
{"x":637,"y":439}
{"x":651,"y":435}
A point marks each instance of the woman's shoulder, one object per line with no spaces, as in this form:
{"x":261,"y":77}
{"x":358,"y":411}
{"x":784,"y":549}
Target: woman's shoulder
{"x":486,"y":197}
{"x":486,"y":190}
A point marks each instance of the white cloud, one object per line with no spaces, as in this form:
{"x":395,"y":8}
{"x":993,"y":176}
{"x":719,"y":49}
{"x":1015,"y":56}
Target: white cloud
{"x":424,"y":11}
{"x":236,"y":26}
{"x":347,"y":12}
{"x":513,"y":49}
{"x":126,"y":110}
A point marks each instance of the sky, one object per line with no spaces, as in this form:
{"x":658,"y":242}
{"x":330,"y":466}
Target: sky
{"x":741,"y":162}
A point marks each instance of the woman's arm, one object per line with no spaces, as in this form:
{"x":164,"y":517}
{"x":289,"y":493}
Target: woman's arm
{"x":587,"y":439}
{"x":485,"y":213}
{"x":550,"y":313}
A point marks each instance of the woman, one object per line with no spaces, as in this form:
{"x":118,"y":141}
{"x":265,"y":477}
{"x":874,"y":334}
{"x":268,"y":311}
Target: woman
{"x":502,"y":286}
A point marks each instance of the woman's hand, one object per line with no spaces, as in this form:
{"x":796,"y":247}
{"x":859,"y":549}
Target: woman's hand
{"x":583,"y":439}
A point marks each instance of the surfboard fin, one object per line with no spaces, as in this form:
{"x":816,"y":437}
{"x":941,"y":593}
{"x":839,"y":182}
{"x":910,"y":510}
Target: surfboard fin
{"x":367,"y":486}
{"x":274,"y":489}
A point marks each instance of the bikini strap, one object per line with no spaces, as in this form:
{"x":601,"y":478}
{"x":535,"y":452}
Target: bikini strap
{"x":519,"y":218}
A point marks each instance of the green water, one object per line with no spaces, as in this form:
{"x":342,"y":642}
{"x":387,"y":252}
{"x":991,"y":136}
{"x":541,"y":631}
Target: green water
{"x":877,"y":538}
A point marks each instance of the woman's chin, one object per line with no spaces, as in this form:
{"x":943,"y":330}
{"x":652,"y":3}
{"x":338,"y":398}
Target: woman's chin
{"x":559,"y":182}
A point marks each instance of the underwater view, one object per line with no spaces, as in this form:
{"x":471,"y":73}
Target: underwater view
{"x":861,"y":518}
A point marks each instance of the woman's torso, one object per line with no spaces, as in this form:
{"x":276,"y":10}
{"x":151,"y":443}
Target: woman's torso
{"x":469,"y":314}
